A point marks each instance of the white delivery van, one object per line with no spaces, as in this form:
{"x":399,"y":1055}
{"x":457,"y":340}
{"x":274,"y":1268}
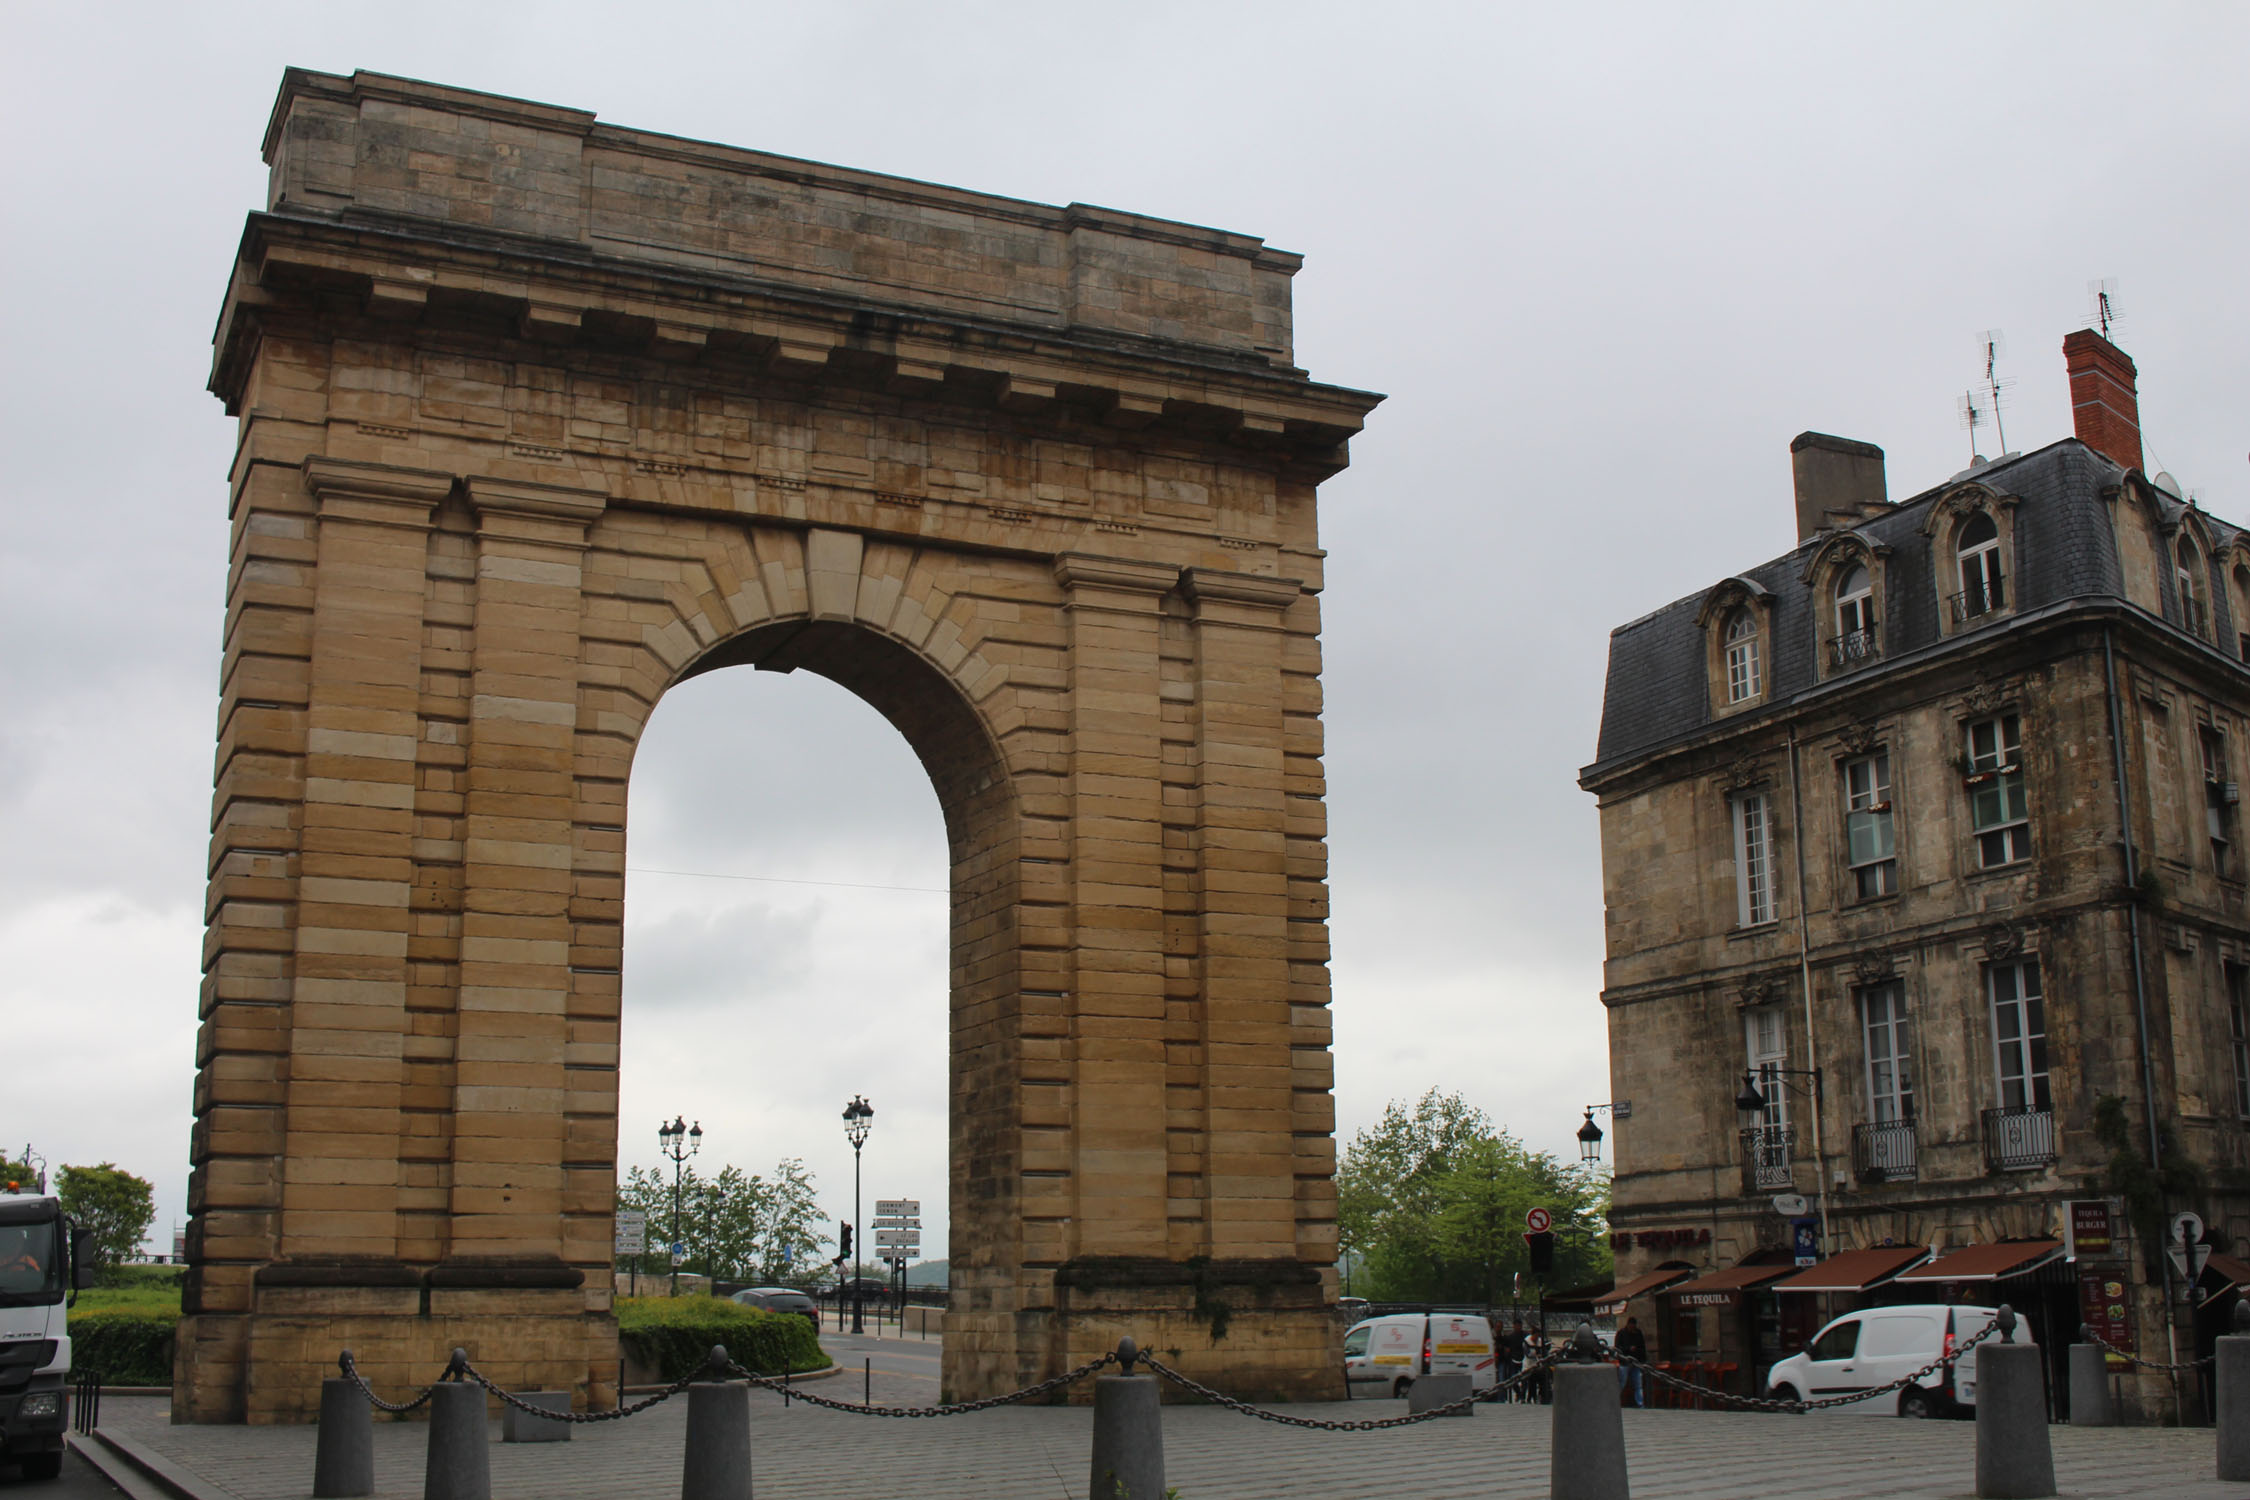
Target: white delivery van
{"x":44,"y":1259}
{"x":1384,"y":1356}
{"x":1873,"y":1347}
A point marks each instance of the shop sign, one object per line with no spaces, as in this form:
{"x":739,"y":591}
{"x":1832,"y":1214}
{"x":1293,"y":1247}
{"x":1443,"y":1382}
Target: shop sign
{"x":2091,"y":1232}
{"x":1726,"y":1298}
{"x":2105,"y":1305}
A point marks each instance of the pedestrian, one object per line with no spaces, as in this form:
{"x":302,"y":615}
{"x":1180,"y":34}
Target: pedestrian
{"x":1632,"y":1344}
{"x":1535,"y":1350}
{"x":1511,"y":1355}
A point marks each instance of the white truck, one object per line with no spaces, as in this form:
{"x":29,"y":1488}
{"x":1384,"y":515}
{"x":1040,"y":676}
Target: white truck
{"x":44,"y":1259}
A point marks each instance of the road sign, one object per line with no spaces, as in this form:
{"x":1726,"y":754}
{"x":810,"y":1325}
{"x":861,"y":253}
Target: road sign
{"x":679,"y":1251}
{"x":898,"y":1239}
{"x":898,"y":1223}
{"x":898,"y":1208}
{"x":2188,"y":1260}
{"x":1621,"y":1109}
{"x":632,"y":1231}
{"x":2187,"y":1228}
{"x":1538,"y":1221}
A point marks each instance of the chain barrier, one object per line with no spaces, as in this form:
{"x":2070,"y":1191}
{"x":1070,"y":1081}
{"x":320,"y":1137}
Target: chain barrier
{"x":1371,"y":1424}
{"x":954,"y":1409}
{"x":351,"y":1373}
{"x":2092,"y":1337}
{"x":1770,"y":1403}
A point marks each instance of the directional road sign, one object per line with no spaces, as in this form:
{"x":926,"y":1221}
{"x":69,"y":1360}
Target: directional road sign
{"x":898,"y":1239}
{"x":898,"y":1208}
{"x":1538,"y":1221}
{"x":632,"y":1231}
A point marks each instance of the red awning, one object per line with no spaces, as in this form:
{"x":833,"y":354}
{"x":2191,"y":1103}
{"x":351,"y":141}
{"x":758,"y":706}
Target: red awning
{"x":1640,"y":1286}
{"x":1854,"y":1270}
{"x":1725,"y":1288}
{"x":1986,"y":1262}
{"x":2230,"y":1269}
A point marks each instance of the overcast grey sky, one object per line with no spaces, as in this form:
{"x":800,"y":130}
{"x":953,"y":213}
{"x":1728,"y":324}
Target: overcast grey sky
{"x":1606,"y":261}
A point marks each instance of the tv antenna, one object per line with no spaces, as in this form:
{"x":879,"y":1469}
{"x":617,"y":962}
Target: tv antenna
{"x":2104,"y":295}
{"x":1992,"y":343}
{"x":1972,"y":417}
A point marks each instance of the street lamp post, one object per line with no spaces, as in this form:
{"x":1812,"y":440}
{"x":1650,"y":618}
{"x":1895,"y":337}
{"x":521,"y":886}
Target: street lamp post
{"x":858,"y":1116}
{"x":679,"y":1141}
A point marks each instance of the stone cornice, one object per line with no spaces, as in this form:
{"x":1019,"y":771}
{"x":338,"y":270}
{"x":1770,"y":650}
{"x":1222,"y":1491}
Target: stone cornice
{"x":1202,"y":584}
{"x":377,"y":494}
{"x":1078,"y":571}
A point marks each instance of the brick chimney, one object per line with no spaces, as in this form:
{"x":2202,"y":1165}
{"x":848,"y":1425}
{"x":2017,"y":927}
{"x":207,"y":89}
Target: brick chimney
{"x":1839,"y":481}
{"x":2105,"y":404}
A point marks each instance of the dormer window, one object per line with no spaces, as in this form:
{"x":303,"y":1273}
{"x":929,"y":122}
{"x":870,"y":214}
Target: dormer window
{"x":1744,"y":680}
{"x":2195,"y":613}
{"x":1855,"y":616}
{"x":1983,"y":586}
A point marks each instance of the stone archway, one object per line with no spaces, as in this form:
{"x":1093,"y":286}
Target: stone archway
{"x":541,"y":416}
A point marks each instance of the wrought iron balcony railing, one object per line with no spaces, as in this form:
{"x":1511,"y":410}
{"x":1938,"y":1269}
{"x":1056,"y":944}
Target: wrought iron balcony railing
{"x":1976,"y":603}
{"x":2018,"y":1140}
{"x":1765,"y":1159}
{"x":1852,"y":648}
{"x":1884,"y":1153}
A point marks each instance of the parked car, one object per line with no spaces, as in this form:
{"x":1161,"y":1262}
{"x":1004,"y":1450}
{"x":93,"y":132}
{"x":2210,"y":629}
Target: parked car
{"x":779,"y":1299}
{"x":1873,"y":1347}
{"x":1385,"y":1356}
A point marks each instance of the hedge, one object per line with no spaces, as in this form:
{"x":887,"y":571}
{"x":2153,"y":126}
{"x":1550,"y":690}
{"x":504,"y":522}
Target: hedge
{"x":123,"y":1346}
{"x":674,"y":1335}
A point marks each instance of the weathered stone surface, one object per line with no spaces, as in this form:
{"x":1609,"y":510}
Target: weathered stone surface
{"x":541,"y":416}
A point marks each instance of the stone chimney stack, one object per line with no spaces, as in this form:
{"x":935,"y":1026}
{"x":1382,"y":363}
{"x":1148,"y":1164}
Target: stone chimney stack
{"x":1839,"y":481}
{"x":2105,"y":402}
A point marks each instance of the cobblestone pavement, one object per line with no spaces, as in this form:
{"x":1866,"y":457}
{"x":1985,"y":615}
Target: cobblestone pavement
{"x":1042,"y":1454}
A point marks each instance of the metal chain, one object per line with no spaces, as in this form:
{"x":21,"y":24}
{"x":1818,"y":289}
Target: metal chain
{"x":954,"y":1409}
{"x":351,"y":1373}
{"x":1768,"y":1403}
{"x":581,"y":1417}
{"x":2147,"y":1364}
{"x":1371,"y":1424}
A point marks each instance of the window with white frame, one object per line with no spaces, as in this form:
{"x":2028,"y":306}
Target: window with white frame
{"x":1753,"y":859}
{"x":2238,"y":1034}
{"x":1855,"y":615}
{"x":1744,"y":680}
{"x":1870,"y":835}
{"x":2218,"y":811}
{"x":2019,"y":1035}
{"x":1765,"y":1036}
{"x":1998,"y":815}
{"x":1983,"y":587}
{"x":1890,"y":1074}
{"x":2195,"y":613}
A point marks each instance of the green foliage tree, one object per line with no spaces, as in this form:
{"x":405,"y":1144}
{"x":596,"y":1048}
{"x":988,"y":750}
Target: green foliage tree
{"x":1431,"y":1203}
{"x":18,"y":1171}
{"x":117,"y":1206}
{"x":735,"y":1225}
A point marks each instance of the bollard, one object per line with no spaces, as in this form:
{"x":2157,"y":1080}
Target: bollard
{"x":459,"y":1466}
{"x":344,"y":1455}
{"x":1128,"y":1434}
{"x":2232,"y":1367}
{"x":1433,"y":1391}
{"x":520,"y":1426}
{"x":2014,"y":1460}
{"x":1586,"y":1453}
{"x":2090,"y":1403}
{"x":717,"y":1463}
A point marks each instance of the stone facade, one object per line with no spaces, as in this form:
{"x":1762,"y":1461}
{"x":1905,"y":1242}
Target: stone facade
{"x":1813,"y":863}
{"x":540,"y":416}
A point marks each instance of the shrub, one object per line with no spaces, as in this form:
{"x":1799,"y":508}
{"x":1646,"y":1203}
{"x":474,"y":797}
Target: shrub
{"x":674,"y":1335}
{"x":124,"y":1346}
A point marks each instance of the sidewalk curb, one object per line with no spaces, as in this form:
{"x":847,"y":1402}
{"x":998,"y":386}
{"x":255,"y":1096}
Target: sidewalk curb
{"x":140,"y":1473}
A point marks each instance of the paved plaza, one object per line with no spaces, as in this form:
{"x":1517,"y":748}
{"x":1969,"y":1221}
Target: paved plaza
{"x":1042,"y":1453}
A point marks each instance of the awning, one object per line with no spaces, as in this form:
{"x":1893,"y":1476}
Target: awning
{"x":1986,"y":1262}
{"x":2232,"y":1270}
{"x":1854,"y":1270}
{"x":1640,"y":1286}
{"x":1725,"y":1288}
{"x":1578,"y":1298}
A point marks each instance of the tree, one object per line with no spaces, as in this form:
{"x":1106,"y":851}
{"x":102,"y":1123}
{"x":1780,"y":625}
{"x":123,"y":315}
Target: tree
{"x":735,"y":1225}
{"x":114,"y":1204}
{"x":19,"y":1175}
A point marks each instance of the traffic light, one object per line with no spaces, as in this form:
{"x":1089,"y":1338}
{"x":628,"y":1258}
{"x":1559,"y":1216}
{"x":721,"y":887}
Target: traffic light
{"x":844,"y":1243}
{"x":1542,"y":1248}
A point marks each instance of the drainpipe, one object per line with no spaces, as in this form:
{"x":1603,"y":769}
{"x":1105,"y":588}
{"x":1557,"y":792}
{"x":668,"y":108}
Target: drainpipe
{"x":1804,"y":980}
{"x":2140,"y":981}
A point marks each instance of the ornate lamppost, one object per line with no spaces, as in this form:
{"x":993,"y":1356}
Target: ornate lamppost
{"x":679,"y":1141}
{"x":859,"y":1115}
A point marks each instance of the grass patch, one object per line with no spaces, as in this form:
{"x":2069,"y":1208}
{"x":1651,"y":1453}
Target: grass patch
{"x":139,"y":1298}
{"x":674,"y":1335}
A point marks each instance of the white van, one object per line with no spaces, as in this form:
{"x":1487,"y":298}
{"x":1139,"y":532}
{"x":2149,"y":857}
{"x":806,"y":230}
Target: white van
{"x":1878,"y":1345}
{"x":1384,"y":1356}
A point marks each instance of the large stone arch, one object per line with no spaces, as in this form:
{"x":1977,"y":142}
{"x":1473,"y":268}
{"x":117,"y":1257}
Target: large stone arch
{"x":541,"y":416}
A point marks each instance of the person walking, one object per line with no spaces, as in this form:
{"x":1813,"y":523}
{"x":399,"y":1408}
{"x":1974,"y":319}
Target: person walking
{"x":1511,"y":1355}
{"x":1633,"y":1344}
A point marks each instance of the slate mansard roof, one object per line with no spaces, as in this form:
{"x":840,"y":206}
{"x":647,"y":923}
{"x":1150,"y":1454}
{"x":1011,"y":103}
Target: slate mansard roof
{"x":2065,"y":549}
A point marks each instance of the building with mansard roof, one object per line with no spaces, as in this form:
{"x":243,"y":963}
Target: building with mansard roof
{"x":1923,"y":858}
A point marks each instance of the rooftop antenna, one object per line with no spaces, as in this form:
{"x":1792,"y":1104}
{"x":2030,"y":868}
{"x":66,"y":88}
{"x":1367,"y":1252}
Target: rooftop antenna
{"x":1972,"y":417}
{"x":2104,"y":293}
{"x":1992,"y":343}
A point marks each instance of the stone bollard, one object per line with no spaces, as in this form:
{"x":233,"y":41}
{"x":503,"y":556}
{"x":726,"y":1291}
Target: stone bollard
{"x":2232,"y":1369}
{"x":459,"y":1466}
{"x":1433,"y":1391}
{"x":1128,"y":1434}
{"x":2090,"y":1403}
{"x":717,"y":1463}
{"x":520,"y":1426}
{"x":344,"y":1454}
{"x":2014,"y":1460}
{"x":1586,"y":1455}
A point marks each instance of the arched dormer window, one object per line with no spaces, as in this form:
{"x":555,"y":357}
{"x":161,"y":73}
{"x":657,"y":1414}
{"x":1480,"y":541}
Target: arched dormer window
{"x":1745,"y":679}
{"x":1984,"y":587}
{"x":2239,"y":577}
{"x":2187,"y":575}
{"x":1855,"y":616}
